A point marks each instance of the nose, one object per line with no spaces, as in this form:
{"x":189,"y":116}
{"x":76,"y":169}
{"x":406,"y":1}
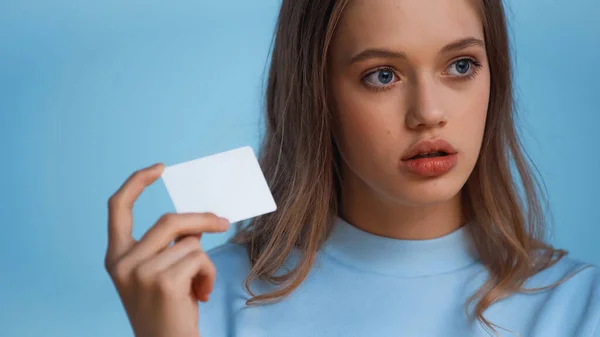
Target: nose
{"x":425,"y":110}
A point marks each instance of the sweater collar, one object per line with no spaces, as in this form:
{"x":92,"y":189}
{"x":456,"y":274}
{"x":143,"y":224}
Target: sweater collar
{"x":404,"y":258}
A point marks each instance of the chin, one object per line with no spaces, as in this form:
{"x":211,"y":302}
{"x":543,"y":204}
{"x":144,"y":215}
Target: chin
{"x":426,"y":192}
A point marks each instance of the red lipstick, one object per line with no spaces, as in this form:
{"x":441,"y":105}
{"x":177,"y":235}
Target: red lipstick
{"x":430,"y":158}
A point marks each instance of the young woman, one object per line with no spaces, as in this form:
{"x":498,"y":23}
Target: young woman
{"x":406,"y":205}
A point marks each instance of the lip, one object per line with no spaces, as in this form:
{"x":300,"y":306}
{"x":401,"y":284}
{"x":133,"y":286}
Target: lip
{"x":429,"y":167}
{"x":429,"y":145}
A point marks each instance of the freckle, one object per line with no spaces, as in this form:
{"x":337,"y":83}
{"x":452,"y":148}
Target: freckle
{"x":388,"y":132}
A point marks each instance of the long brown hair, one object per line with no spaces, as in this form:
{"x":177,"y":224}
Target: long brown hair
{"x":301,"y":163}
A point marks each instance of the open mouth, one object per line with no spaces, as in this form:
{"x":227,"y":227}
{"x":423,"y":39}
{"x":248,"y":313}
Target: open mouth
{"x":430,"y":155}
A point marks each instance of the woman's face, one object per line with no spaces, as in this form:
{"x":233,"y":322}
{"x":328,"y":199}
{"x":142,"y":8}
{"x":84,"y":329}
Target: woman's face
{"x":404,"y":71}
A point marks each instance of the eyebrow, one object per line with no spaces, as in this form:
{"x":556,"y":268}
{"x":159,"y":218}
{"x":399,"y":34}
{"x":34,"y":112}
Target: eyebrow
{"x":390,"y":54}
{"x":462,"y":44}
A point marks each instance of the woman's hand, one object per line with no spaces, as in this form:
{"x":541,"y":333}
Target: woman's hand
{"x":159,"y":283}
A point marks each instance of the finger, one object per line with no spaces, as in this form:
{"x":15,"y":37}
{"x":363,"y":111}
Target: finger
{"x":171,"y":226}
{"x":202,"y":286}
{"x":160,"y":262}
{"x":120,"y":222}
{"x":197,"y":236}
{"x":194,"y":266}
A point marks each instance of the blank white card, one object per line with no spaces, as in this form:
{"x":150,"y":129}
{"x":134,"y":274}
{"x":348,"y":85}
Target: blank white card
{"x":229,"y":184}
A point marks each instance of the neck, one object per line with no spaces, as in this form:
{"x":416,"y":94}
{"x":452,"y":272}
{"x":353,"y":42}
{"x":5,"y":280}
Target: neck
{"x":379,"y":214}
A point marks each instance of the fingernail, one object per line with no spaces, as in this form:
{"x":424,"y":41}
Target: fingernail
{"x":224,"y":221}
{"x":155,"y":168}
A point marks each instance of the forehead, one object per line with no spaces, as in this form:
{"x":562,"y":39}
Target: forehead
{"x":423,"y":25}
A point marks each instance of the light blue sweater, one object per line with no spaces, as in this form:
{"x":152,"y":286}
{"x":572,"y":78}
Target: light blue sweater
{"x":367,"y":285}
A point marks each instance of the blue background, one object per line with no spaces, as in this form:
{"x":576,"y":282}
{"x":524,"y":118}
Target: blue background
{"x":92,"y":90}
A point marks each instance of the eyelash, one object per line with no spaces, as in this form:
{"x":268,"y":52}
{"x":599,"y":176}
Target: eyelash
{"x":474,"y":63}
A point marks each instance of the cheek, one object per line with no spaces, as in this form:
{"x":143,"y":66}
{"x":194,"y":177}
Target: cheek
{"x":479,"y":109}
{"x":368,"y":126}
{"x":474,"y":118}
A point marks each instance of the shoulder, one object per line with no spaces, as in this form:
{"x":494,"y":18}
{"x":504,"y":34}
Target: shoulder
{"x":232,"y":265}
{"x":229,"y":252}
{"x":575,"y":270}
{"x":231,"y":261}
{"x":576,"y":292}
{"x":571,"y":275}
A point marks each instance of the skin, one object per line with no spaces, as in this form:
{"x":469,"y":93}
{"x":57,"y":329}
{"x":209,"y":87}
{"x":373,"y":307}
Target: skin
{"x":427,"y":97}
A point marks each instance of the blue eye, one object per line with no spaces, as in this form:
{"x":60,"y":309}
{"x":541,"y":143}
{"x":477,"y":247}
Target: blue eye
{"x":381,"y":78}
{"x":462,"y":67}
